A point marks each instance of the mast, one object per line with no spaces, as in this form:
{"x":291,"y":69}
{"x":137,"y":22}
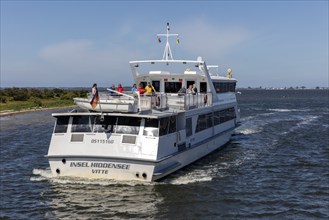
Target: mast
{"x":167,"y":51}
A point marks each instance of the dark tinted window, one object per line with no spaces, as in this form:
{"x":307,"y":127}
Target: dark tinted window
{"x":224,"y":115}
{"x":164,"y":126}
{"x":127,"y":125}
{"x":81,"y":124}
{"x":172,"y":124}
{"x":151,"y":127}
{"x":61,"y":124}
{"x":201,"y":124}
{"x":221,"y":87}
{"x":188,"y":127}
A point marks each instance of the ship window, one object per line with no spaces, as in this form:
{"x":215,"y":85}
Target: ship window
{"x":172,"y":125}
{"x":203,"y":87}
{"x":216,"y":118}
{"x":151,"y":127}
{"x":209,"y":120}
{"x":224,"y":115}
{"x":81,"y":124}
{"x":164,"y":126}
{"x":127,"y":125}
{"x":172,"y":87}
{"x":61,"y":124}
{"x":222,"y":87}
{"x":202,"y":123}
{"x":188,"y":127}
{"x":104,"y":124}
{"x":156,"y":85}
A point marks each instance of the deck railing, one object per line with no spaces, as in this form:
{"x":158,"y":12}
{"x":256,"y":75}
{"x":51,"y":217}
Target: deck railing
{"x":159,"y":101}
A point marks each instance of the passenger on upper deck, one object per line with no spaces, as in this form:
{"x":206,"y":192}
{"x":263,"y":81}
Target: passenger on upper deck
{"x":113,"y":88}
{"x":195,"y":90}
{"x":134,"y":88}
{"x":120,"y":88}
{"x":94,"y":89}
{"x":149,"y":88}
{"x":182,"y":90}
{"x":140,"y":89}
{"x":190,"y":90}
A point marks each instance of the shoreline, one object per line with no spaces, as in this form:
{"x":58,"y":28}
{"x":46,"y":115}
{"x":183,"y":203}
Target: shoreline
{"x":13,"y":112}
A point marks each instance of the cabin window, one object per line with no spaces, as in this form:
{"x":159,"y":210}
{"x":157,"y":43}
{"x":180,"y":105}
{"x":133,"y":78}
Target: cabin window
{"x":204,"y":122}
{"x":81,"y":124}
{"x":151,"y":127}
{"x":164,"y":126}
{"x":104,"y":124}
{"x":172,"y":125}
{"x":232,"y":87}
{"x":221,"y":87}
{"x":61,"y":124}
{"x":217,"y":118}
{"x":188,"y":127}
{"x":156,"y":85}
{"x":203,"y":87}
{"x":224,"y":115}
{"x":209,"y":120}
{"x":172,"y":87}
{"x":127,"y":125}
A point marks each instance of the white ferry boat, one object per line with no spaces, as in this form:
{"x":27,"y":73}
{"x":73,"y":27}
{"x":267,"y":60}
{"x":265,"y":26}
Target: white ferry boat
{"x":144,"y":138}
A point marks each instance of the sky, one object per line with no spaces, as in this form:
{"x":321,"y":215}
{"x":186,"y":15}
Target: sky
{"x":77,"y":43}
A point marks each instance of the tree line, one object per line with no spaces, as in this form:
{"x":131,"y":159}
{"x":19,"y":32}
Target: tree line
{"x":26,"y":94}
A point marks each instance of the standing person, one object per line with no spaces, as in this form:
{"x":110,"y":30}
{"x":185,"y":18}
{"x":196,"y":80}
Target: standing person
{"x":134,"y":88}
{"x":182,"y":90}
{"x":149,"y":88}
{"x":95,"y":98}
{"x":190,"y":90}
{"x":140,"y":89}
{"x":112,"y":88}
{"x":195,"y":90}
{"x":120,"y":88}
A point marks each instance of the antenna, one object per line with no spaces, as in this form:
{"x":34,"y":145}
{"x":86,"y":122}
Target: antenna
{"x":167,"y":51}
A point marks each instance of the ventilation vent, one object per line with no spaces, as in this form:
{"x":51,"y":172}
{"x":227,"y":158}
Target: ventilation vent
{"x":128,"y":139}
{"x":77,"y":138}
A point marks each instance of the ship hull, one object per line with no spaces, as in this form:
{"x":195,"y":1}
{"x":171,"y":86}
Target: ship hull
{"x":125,"y":169}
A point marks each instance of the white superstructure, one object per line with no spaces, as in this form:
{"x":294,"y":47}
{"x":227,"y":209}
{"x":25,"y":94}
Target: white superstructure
{"x":139,"y":137}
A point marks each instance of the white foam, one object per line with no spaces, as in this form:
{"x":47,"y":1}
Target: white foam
{"x":281,"y":110}
{"x":189,"y":178}
{"x":46,"y":175}
{"x":249,"y":131}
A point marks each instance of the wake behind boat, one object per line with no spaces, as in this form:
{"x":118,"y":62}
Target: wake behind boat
{"x":134,"y":136}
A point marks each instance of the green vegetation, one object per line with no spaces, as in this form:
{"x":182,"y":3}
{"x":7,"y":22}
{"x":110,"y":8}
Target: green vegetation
{"x":27,"y":98}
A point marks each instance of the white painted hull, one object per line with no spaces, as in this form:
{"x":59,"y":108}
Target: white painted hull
{"x":132,"y":170}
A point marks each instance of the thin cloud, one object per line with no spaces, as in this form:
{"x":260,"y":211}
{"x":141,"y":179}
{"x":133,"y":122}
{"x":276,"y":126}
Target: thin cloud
{"x":203,"y":38}
{"x":84,"y":58}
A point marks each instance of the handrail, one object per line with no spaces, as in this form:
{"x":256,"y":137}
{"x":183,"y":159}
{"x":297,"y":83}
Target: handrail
{"x":120,"y":93}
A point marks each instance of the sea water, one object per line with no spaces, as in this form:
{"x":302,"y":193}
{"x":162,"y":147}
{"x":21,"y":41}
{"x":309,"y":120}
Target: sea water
{"x":275,"y":167}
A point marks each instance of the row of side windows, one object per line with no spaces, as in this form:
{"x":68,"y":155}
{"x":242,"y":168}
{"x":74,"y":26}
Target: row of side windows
{"x":208,"y":120}
{"x":221,"y":87}
{"x":114,"y":124}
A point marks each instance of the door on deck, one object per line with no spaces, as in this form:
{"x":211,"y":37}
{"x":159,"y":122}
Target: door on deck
{"x":203,"y":87}
{"x":156,"y":85}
